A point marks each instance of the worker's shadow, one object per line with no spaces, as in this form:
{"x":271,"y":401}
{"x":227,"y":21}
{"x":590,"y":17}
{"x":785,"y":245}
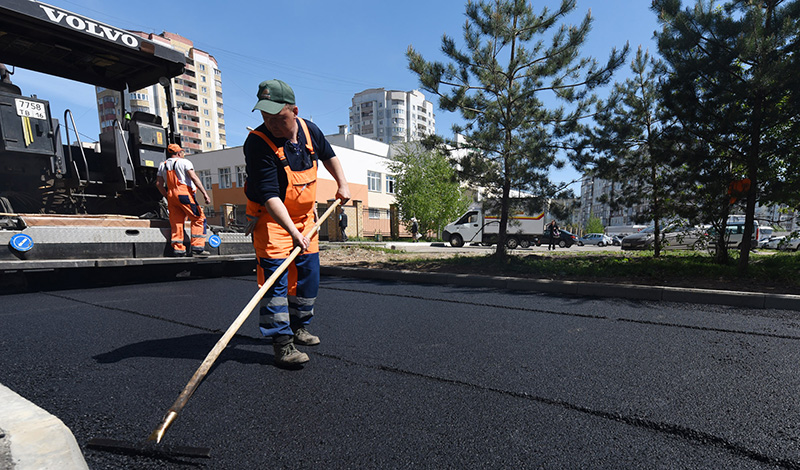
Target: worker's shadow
{"x":191,"y":347}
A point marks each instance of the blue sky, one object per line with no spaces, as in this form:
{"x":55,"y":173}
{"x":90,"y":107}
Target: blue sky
{"x":327,"y":51}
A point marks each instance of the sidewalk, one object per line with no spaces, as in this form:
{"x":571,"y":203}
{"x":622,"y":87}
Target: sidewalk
{"x":33,"y":439}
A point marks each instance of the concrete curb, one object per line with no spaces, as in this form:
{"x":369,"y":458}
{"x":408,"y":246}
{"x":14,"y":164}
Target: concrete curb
{"x":578,"y":288}
{"x":38,"y":440}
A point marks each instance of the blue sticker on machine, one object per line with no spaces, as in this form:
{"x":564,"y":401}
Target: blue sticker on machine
{"x":21,"y":242}
{"x":214,"y":241}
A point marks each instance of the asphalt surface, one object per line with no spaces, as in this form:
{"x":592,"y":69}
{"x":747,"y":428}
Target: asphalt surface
{"x":414,"y":376}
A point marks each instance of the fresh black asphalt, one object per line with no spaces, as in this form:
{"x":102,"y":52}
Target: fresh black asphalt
{"x":414,"y":376}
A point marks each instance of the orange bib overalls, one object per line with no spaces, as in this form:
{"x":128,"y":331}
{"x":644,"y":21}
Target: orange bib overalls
{"x":289,"y":303}
{"x":182,"y":204}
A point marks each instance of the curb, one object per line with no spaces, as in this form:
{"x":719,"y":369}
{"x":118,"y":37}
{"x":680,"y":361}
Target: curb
{"x":37,"y":440}
{"x":580,"y":288}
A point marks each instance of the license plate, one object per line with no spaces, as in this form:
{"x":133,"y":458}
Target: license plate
{"x":30,"y":109}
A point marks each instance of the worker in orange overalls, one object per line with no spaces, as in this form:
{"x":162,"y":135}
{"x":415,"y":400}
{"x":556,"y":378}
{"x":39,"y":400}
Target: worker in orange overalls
{"x":178,"y":175}
{"x":281,"y":157}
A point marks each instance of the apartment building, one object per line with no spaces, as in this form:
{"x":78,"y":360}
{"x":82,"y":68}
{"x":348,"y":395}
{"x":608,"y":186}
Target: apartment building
{"x":391,"y":116}
{"x":196,"y":97}
{"x":364,"y":161}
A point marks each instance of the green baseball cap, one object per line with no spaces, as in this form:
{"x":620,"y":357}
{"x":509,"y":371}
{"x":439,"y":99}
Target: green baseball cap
{"x":273,"y":95}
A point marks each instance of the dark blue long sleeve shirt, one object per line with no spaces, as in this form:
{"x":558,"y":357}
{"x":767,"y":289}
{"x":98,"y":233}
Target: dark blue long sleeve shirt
{"x":266,"y":177}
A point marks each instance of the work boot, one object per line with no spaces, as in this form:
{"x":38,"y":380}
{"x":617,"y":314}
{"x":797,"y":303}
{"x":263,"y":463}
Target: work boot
{"x":287,"y":355}
{"x":302,"y":336}
{"x":201,"y":253}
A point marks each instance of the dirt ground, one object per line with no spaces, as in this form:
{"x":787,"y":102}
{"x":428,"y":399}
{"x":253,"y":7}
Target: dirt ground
{"x":356,"y":256}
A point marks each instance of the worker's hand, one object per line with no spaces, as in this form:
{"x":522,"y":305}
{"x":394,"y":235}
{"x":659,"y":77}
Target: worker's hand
{"x":208,"y":199}
{"x":301,"y":240}
{"x":251,"y":224}
{"x":343,"y":193}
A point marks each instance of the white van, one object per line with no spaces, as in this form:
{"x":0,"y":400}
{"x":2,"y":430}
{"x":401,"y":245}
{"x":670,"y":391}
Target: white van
{"x":734,"y":231}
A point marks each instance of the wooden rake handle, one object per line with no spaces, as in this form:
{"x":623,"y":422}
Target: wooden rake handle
{"x":212,"y":356}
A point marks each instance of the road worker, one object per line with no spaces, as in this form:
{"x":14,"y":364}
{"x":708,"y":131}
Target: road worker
{"x":177,"y":181}
{"x":281,"y":157}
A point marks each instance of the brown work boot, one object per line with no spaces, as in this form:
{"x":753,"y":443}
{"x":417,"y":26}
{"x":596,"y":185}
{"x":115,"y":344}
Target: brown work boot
{"x":302,"y":336}
{"x":287,"y":355}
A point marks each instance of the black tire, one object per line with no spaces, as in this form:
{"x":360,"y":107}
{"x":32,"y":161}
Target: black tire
{"x":562,"y":244}
{"x":601,"y":244}
{"x":456,"y":240}
{"x":524,"y":243}
{"x":5,"y":206}
{"x":511,"y":243}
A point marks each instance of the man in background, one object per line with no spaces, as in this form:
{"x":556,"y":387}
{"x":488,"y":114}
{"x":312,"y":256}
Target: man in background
{"x":177,"y":181}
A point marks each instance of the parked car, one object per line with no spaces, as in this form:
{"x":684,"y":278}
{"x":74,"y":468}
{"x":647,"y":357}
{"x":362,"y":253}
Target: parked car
{"x":771,"y":243}
{"x":617,"y":240}
{"x":564,"y":240}
{"x":790,"y":244}
{"x":599,"y":239}
{"x":673,"y":237}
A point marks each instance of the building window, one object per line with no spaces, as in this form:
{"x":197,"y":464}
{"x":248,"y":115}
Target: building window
{"x":374,"y":181}
{"x":203,"y":78}
{"x":205,"y":178}
{"x":390,"y":184}
{"x":208,"y":134}
{"x":374,"y":213}
{"x":205,"y":100}
{"x":205,"y":111}
{"x":202,"y":67}
{"x":241,"y":176}
{"x":208,"y":145}
{"x":224,"y":178}
{"x":208,"y":123}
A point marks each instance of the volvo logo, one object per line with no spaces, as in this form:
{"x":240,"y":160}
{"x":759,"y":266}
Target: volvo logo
{"x":89,"y":26}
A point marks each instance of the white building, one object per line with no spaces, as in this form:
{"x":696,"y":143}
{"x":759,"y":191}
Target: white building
{"x":392,"y":116}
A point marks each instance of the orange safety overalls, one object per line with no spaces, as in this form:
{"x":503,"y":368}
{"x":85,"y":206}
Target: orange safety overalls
{"x":182,"y":204}
{"x":289,"y":303}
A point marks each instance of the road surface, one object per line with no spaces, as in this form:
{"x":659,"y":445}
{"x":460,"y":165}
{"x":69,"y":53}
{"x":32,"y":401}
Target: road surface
{"x":414,"y":376}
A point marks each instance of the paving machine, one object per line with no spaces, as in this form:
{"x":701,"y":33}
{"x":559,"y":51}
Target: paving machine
{"x":44,"y":165}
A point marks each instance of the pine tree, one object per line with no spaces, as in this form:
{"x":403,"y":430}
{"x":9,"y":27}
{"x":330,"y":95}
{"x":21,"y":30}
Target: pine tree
{"x":631,"y":144}
{"x":501,"y":82}
{"x":733,"y":70}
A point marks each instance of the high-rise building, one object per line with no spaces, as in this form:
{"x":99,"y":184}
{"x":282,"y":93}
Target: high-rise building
{"x":391,"y":115}
{"x":197,"y":98}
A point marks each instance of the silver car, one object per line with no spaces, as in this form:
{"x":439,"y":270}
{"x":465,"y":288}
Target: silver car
{"x":599,"y":239}
{"x":674,"y":237}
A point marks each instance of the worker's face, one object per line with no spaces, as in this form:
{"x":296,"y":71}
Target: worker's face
{"x":282,"y":124}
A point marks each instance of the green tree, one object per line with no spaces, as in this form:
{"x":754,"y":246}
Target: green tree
{"x":426,"y":187}
{"x":514,"y":60}
{"x":733,"y":81}
{"x":594,"y":225}
{"x":630,"y":144}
